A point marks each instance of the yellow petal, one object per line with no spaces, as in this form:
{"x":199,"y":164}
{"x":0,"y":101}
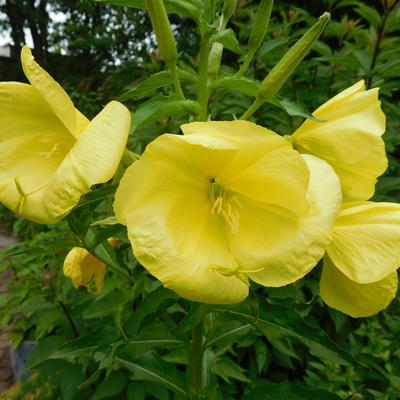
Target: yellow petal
{"x":366,"y":241}
{"x":92,"y":160}
{"x":51,"y":92}
{"x":84,"y":270}
{"x":303,"y":249}
{"x":355,"y":299}
{"x":33,"y":144}
{"x":236,"y":130}
{"x":172,"y":231}
{"x":72,"y":264}
{"x":349,"y":139}
{"x":266,"y":168}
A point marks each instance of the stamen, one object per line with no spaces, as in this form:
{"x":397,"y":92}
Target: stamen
{"x":238,"y":272}
{"x":225,"y":204}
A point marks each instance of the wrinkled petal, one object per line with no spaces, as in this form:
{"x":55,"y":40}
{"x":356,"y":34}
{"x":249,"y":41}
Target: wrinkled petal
{"x":51,"y":91}
{"x":172,"y":231}
{"x":355,"y":299}
{"x":302,"y":250}
{"x":366,"y":241}
{"x":92,"y":160}
{"x":348,"y":139}
{"x":33,"y":144}
{"x":72,"y":264}
{"x":84,"y":270}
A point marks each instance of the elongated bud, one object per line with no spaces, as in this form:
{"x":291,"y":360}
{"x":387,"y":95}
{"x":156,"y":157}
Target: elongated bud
{"x":260,"y":25}
{"x":162,"y":29}
{"x":228,"y":10}
{"x":288,"y":63}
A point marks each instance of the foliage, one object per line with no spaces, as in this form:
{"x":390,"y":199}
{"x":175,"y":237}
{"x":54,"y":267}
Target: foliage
{"x":281,"y":342}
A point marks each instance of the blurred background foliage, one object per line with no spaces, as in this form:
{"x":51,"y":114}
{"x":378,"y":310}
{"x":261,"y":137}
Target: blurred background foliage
{"x":281,"y":343}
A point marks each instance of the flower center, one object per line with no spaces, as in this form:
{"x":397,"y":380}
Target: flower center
{"x":225,"y":204}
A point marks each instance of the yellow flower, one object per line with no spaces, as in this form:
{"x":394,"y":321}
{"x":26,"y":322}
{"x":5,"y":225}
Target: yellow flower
{"x":226,"y":202}
{"x":349,"y":139}
{"x":50,"y":153}
{"x":84,"y":269}
{"x":359,"y":274}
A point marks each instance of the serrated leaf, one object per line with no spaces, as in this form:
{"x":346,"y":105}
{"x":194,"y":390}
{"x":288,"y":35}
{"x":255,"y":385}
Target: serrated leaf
{"x":277,"y":322}
{"x":228,"y":369}
{"x":154,"y":369}
{"x":163,"y":106}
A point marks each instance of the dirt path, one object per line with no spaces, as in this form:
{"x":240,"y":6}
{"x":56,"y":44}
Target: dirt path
{"x":6,"y":375}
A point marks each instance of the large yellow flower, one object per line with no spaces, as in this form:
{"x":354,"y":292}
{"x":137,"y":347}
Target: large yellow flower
{"x":359,"y":274}
{"x":349,"y":139}
{"x":50,"y":154}
{"x":226,"y":202}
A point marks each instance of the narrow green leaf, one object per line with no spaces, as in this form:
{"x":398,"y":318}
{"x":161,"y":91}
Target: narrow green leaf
{"x":240,"y":83}
{"x":162,"y":106}
{"x":154,"y":369}
{"x":291,"y":108}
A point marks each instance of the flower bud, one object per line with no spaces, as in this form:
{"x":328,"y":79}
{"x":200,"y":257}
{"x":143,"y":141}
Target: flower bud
{"x":162,"y":29}
{"x":260,"y":25}
{"x":285,"y":67}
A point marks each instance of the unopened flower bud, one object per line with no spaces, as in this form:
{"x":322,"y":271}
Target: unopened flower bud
{"x":162,"y":29}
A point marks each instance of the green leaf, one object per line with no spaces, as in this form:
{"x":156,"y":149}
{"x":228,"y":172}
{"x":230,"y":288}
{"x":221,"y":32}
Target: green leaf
{"x":291,"y":108}
{"x":240,"y":83}
{"x":227,"y":369}
{"x":228,"y":39}
{"x":111,"y":386}
{"x":190,"y":8}
{"x":277,"y":322}
{"x":163,"y":106}
{"x":287,"y":391}
{"x":42,"y":351}
{"x":154,"y":369}
{"x":160,"y":79}
{"x":106,"y":221}
{"x":70,"y":380}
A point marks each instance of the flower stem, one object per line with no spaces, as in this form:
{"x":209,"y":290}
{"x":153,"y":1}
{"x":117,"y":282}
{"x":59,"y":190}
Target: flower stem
{"x":246,"y":63}
{"x":196,"y":361}
{"x":202,"y":90}
{"x":176,"y":81}
{"x":252,"y":109}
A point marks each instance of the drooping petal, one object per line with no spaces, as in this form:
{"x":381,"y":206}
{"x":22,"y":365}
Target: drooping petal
{"x":33,"y":143}
{"x":348,"y":139}
{"x":366,"y":241}
{"x":51,"y":91}
{"x":92,"y":160}
{"x":302,"y":250}
{"x":167,"y":211}
{"x":352,"y":298}
{"x":84,"y":270}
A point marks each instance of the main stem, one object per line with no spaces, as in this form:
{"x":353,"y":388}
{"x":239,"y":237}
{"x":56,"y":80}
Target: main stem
{"x":197,"y":361}
{"x":202,"y":90}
